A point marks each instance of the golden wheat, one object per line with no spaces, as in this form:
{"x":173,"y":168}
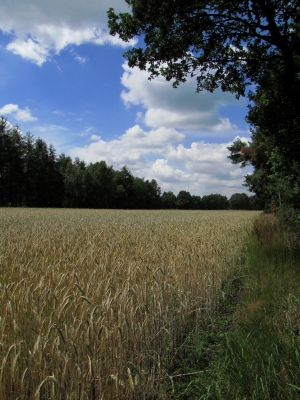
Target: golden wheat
{"x":94,"y":302}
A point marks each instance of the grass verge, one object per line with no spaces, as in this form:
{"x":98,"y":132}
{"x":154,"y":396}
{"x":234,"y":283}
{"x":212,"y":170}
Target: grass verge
{"x":249,"y":348}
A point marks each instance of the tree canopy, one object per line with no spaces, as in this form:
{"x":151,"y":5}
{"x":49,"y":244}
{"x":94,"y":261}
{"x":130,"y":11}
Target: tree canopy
{"x":232,"y":45}
{"x":274,"y":147}
{"x":32,"y":175}
{"x":224,"y":43}
{"x":239,"y":201}
{"x":215,"y":202}
{"x":184,"y":200}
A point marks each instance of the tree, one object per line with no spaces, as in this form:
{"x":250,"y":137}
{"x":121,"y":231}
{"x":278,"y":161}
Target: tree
{"x":184,"y":200}
{"x":123,"y":180}
{"x":275,"y":127}
{"x":153,"y":194}
{"x":232,"y":45}
{"x":44,"y":183}
{"x":99,"y":185}
{"x":239,"y":201}
{"x":196,"y":203}
{"x":74,"y":182}
{"x":12,"y":150}
{"x":255,"y":203}
{"x":274,"y":148}
{"x":168,"y":200}
{"x":215,"y":202}
{"x":224,"y":43}
{"x":55,"y":184}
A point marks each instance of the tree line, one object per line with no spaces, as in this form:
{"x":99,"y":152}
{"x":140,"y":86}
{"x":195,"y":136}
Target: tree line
{"x":33,"y":175}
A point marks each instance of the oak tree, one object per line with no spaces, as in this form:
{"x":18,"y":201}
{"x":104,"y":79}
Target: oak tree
{"x":223,"y":43}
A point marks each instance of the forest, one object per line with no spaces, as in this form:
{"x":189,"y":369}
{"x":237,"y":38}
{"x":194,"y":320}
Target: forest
{"x":33,"y":175}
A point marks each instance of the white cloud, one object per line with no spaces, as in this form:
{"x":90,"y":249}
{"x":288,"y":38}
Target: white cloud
{"x":41,"y":29}
{"x":176,"y":108}
{"x":18,"y":113}
{"x":155,"y":139}
{"x":50,"y":128}
{"x":58,"y":135}
{"x":9,"y":109}
{"x":87,"y":131}
{"x":165,"y":173}
{"x":175,"y":179}
{"x":223,"y":126}
{"x":201,"y":168}
{"x":199,"y":154}
{"x":79,"y":58}
{"x":95,"y":137}
{"x":158,"y":146}
{"x":30,"y":50}
{"x":131,"y":147}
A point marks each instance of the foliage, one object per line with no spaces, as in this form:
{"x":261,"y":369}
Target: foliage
{"x":263,"y":350}
{"x":249,"y":347}
{"x":274,"y":147}
{"x":32,"y":175}
{"x":232,"y":45}
{"x":223,"y":43}
{"x":12,"y":164}
{"x":239,"y":201}
{"x":168,"y":200}
{"x":215,"y":202}
{"x":184,"y":200}
{"x":29,"y":173}
{"x":255,"y":203}
{"x":197,"y":203}
{"x":276,"y":124}
{"x":289,"y":220}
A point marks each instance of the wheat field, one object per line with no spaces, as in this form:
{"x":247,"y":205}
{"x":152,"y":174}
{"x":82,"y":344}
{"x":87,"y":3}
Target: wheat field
{"x":94,"y":302}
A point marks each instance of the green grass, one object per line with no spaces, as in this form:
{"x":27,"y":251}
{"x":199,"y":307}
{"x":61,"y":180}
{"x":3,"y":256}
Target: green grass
{"x":197,"y":368}
{"x":249,"y":348}
{"x":263,"y":359}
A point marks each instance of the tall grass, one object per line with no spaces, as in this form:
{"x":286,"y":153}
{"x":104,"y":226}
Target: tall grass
{"x":93,"y":303}
{"x":264,"y":351}
{"x":250,"y":346}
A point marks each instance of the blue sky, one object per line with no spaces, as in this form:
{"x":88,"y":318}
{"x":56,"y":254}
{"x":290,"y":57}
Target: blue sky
{"x":63,"y":78}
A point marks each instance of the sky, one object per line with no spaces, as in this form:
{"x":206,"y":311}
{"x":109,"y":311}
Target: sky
{"x":64,"y":79}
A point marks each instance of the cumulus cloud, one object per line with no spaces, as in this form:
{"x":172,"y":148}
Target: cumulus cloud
{"x":29,"y":49}
{"x":165,"y":173}
{"x":176,"y":108}
{"x":155,"y":139}
{"x":18,"y":113}
{"x":198,"y":183}
{"x":95,"y":137}
{"x":131,"y":147}
{"x":201,"y":168}
{"x":159,"y":146}
{"x":200,"y":155}
{"x":40,"y":29}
